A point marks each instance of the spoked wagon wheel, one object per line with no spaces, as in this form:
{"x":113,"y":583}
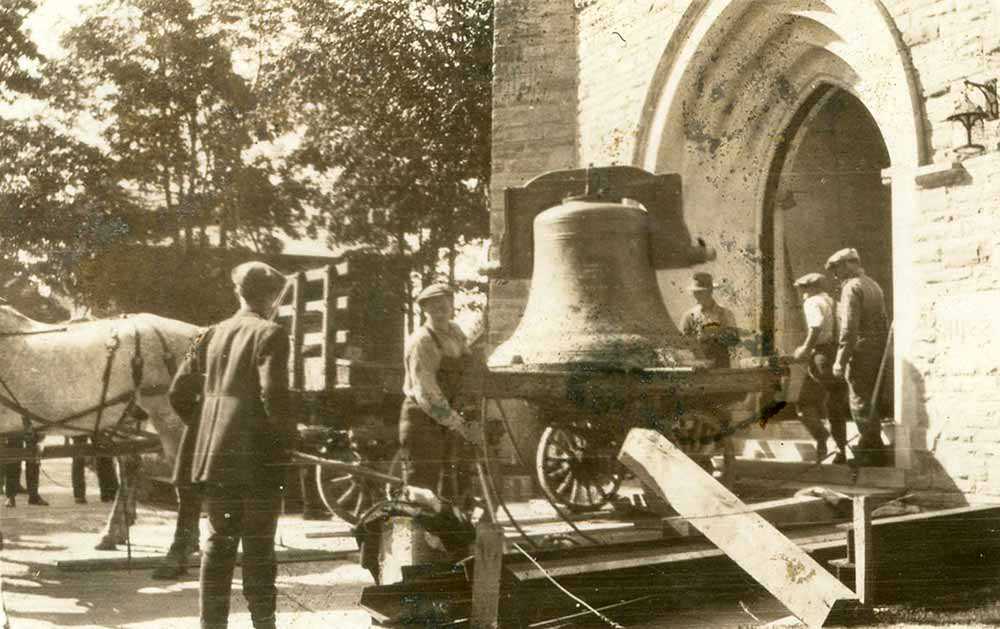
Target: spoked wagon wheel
{"x":347,"y":496}
{"x":577,"y":466}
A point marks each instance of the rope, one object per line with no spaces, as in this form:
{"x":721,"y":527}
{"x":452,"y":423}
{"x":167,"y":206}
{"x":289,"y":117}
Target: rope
{"x":565,"y":591}
{"x":524,"y":467}
{"x":484,"y":468}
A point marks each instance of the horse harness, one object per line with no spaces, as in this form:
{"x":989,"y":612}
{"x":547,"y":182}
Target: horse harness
{"x":32,"y":420}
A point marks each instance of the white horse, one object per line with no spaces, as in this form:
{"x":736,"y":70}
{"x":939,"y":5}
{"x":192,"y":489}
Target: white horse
{"x":86,"y":378}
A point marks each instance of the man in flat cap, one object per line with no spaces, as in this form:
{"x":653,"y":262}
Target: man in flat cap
{"x":823,"y":395}
{"x":710,"y":323}
{"x":434,"y":358}
{"x":244,"y":433}
{"x":864,"y":328}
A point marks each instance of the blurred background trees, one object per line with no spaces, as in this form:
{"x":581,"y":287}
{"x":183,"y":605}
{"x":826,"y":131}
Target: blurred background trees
{"x":180,"y":127}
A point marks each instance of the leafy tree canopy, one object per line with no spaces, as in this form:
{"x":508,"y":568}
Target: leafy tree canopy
{"x":395,"y":99}
{"x":17,"y":50}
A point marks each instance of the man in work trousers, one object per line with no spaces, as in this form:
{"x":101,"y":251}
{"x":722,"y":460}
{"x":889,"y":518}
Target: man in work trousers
{"x":243,"y":441}
{"x":864,"y":332}
{"x":434,"y":359}
{"x":823,"y":395}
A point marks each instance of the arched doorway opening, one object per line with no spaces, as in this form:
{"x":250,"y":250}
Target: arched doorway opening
{"x":824,"y":192}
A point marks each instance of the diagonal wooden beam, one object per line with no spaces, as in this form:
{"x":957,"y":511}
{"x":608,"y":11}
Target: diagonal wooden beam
{"x":814,"y":595}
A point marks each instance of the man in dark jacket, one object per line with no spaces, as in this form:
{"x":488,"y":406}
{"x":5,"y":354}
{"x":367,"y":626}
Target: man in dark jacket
{"x":862,"y":344}
{"x":242,"y":442}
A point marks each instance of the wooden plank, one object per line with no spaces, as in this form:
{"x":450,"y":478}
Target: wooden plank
{"x":287,"y":311}
{"x":118,"y":449}
{"x":486,"y":579}
{"x":799,"y":471}
{"x":329,"y":327}
{"x":810,"y":592}
{"x":298,"y":331}
{"x":571,"y":563}
{"x":291,"y":555}
{"x":863,"y":551}
{"x":316,"y":275}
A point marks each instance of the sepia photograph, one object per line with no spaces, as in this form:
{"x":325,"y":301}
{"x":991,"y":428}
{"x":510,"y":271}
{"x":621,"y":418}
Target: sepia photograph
{"x":499,"y":314}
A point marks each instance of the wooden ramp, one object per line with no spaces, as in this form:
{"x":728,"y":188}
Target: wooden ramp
{"x":804,"y":586}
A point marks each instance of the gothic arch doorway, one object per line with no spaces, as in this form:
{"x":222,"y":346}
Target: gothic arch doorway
{"x":824,"y":192}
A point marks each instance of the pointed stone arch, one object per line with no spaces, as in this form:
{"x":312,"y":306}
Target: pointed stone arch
{"x":732,"y":80}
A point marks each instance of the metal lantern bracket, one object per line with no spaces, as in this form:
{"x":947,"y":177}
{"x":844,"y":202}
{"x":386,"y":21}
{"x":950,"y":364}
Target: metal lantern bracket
{"x":989,"y":92}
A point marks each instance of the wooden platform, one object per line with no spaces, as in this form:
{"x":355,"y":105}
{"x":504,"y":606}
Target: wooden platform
{"x":825,"y":474}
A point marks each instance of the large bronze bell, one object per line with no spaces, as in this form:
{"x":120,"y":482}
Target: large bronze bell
{"x":594,"y":297}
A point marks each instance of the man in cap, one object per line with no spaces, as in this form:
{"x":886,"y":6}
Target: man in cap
{"x":244,"y":433}
{"x":711,"y":324}
{"x":822,"y":395}
{"x":434,"y":358}
{"x":864,"y":328}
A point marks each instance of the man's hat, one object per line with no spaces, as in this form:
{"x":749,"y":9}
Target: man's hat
{"x":256,"y":280}
{"x":701,"y":281}
{"x":438,"y":289}
{"x":842,"y":256}
{"x":811,"y":279}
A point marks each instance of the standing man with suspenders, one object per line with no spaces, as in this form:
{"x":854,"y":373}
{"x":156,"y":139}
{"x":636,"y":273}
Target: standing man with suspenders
{"x":823,"y":395}
{"x":434,"y":359}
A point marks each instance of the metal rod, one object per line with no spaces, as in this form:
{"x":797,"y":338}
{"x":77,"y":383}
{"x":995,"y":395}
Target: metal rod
{"x":347,"y":468}
{"x":553,"y":621}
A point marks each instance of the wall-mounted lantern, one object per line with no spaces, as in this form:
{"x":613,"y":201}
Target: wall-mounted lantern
{"x":969,"y":113}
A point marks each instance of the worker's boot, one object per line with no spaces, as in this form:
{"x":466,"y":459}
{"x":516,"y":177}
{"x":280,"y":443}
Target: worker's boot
{"x":173,"y":567}
{"x":38,"y":501}
{"x":265,"y":623}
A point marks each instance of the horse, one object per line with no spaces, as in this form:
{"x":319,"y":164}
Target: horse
{"x":100,"y":378}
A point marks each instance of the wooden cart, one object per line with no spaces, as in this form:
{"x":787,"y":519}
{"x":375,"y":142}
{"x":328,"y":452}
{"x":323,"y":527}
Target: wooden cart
{"x":352,"y":403}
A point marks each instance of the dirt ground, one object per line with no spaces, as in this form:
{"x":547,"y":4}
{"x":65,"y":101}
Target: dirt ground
{"x":39,"y":594}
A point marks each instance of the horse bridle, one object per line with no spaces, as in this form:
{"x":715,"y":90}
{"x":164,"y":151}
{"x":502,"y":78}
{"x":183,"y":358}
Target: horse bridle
{"x":29,"y":418}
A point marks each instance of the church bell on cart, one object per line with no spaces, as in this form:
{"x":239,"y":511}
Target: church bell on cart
{"x":594,"y":299}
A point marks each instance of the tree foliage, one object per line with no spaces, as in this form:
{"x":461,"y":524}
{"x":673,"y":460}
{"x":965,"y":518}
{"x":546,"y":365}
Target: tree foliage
{"x":17,"y":50}
{"x":59,"y":201}
{"x":178,"y":120}
{"x":164,"y":118}
{"x":395,"y":100}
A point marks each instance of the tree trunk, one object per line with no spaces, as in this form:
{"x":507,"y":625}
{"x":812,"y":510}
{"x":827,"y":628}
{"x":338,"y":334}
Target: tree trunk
{"x":174,"y":215}
{"x":452,"y":253}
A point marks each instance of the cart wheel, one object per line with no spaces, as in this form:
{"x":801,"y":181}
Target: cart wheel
{"x":577,"y":466}
{"x":347,"y":496}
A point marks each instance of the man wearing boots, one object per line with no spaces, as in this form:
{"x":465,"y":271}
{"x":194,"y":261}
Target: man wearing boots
{"x":864,"y":330}
{"x":822,"y":395}
{"x":12,"y":473}
{"x":244,"y":433}
{"x":186,"y":393}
